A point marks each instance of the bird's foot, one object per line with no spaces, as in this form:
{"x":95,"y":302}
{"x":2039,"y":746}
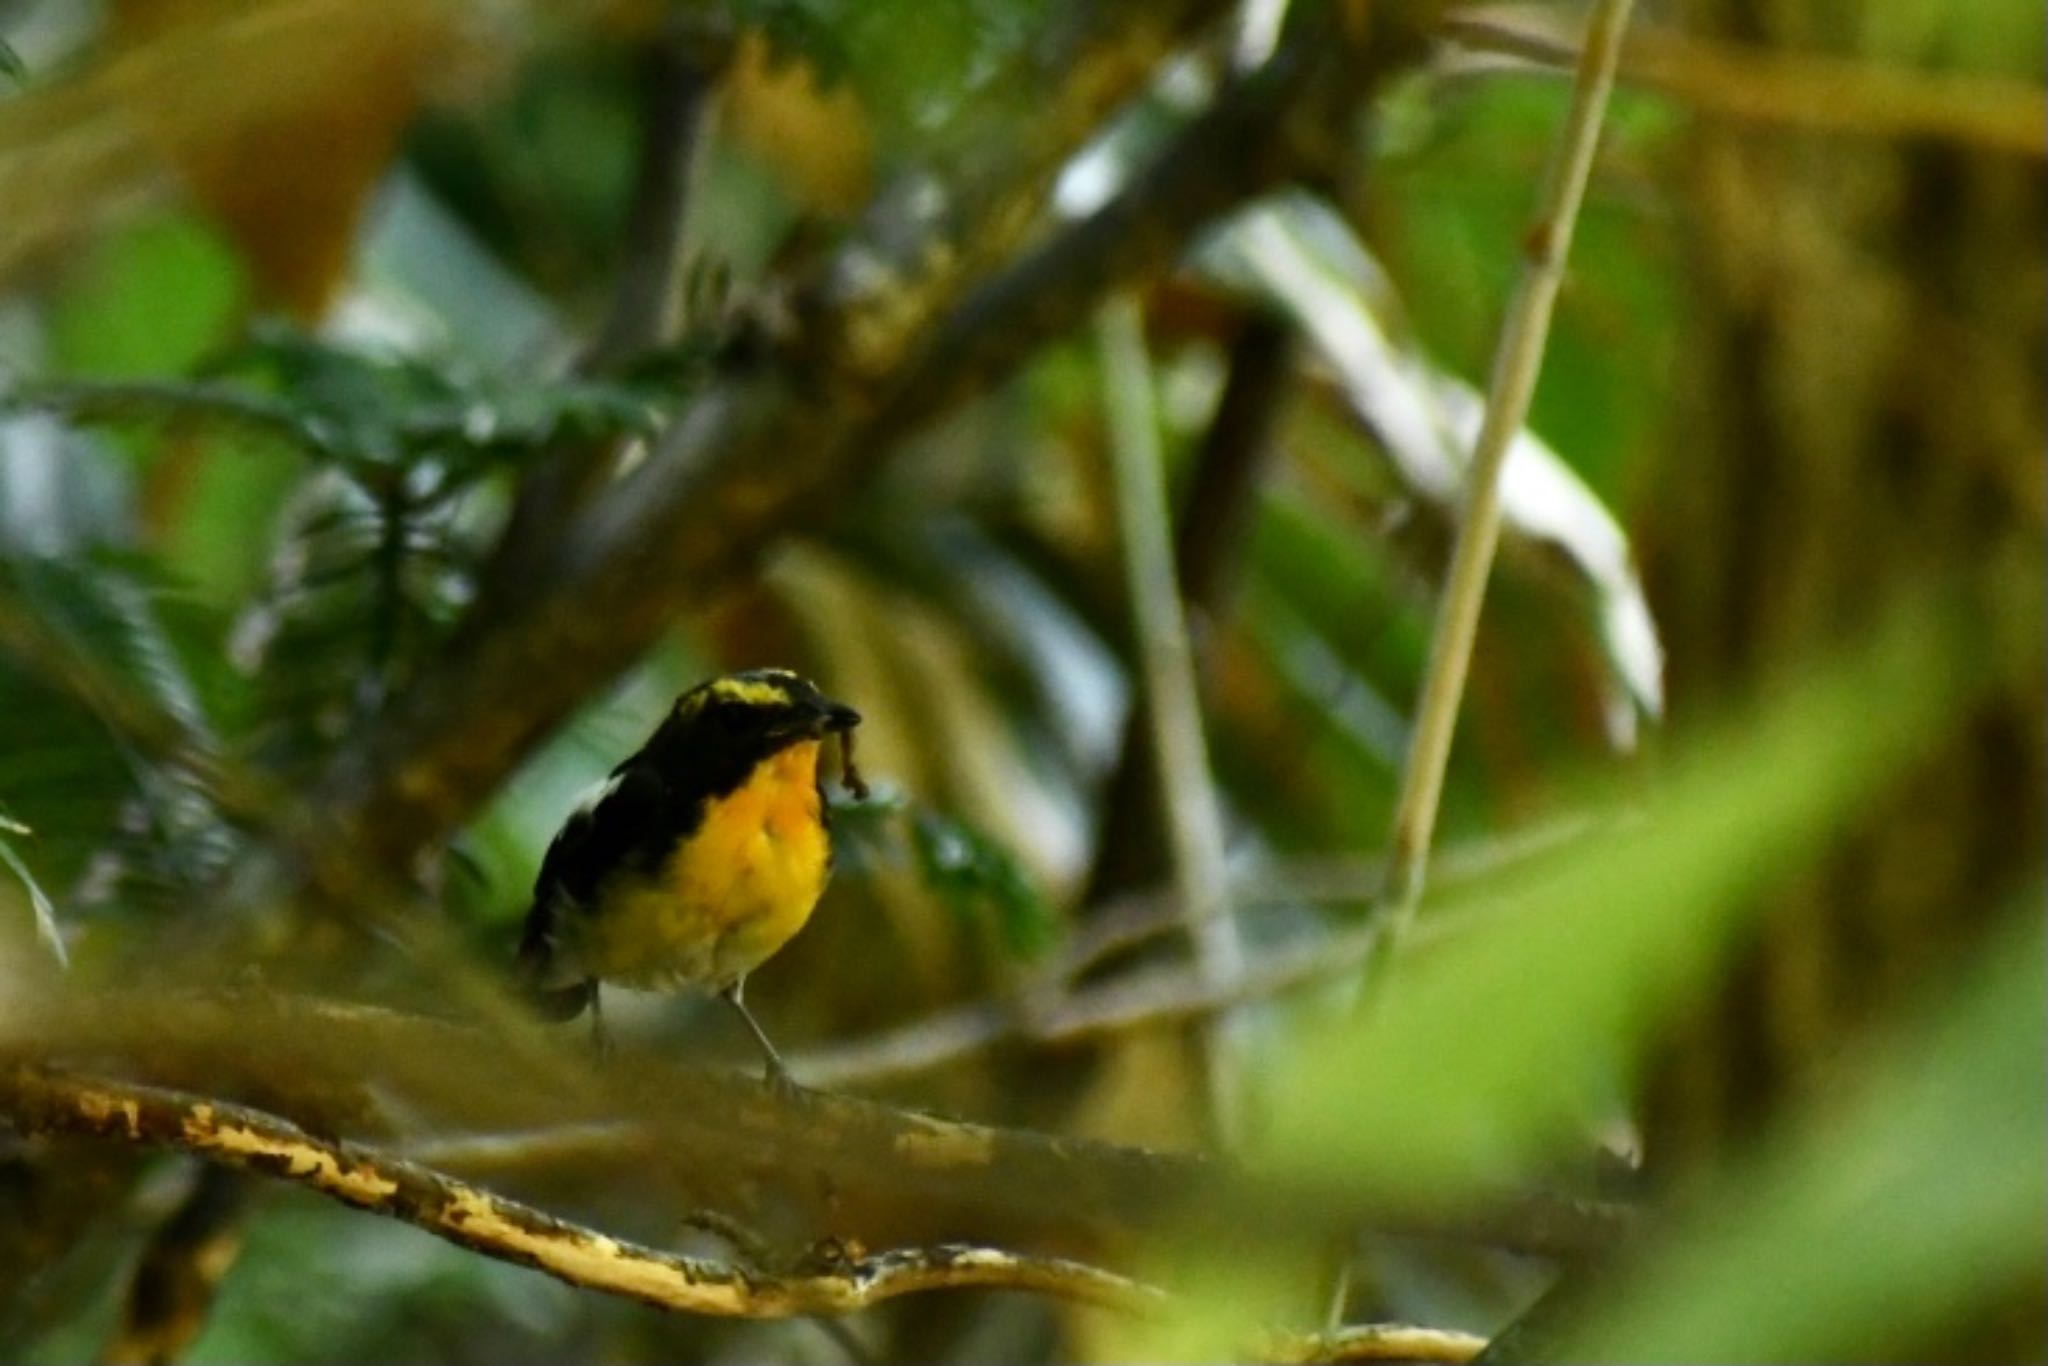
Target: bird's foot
{"x":778,"y":1079}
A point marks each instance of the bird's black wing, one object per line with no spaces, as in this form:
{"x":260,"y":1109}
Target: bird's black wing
{"x":623,"y":827}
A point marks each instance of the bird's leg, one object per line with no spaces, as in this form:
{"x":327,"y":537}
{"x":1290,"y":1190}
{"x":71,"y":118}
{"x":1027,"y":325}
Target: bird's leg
{"x":600,"y":1037}
{"x":777,"y":1075}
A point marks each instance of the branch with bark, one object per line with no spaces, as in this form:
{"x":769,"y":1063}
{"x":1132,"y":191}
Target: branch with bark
{"x":775,"y":452}
{"x":1375,"y":1342}
{"x":702,"y":1138}
{"x":832,"y":1278}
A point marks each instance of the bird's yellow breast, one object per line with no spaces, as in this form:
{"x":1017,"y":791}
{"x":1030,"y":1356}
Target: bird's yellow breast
{"x":731,"y":893}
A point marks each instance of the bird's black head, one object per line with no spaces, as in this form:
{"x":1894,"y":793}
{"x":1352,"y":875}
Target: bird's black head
{"x":726,"y":725}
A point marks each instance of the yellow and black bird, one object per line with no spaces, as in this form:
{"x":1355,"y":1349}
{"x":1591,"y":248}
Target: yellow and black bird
{"x":699,"y":858}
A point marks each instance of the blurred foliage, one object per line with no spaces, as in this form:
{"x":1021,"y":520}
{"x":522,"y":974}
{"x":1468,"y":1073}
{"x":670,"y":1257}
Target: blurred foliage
{"x":378,"y":543}
{"x":293,"y":307}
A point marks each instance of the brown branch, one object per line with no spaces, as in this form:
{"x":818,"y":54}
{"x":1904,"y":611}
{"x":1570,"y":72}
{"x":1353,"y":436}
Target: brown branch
{"x":765,"y":455}
{"x":702,"y":1138}
{"x":677,"y":79}
{"x":831,"y":1280}
{"x":677,"y":76}
{"x":1764,"y":85}
{"x":180,"y":1270}
{"x":1374,"y":1342}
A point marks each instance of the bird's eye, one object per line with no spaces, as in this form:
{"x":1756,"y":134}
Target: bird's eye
{"x":732,"y":719}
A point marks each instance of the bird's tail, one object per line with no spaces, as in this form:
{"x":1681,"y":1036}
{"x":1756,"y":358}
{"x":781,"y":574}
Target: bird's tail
{"x":554,"y":1004}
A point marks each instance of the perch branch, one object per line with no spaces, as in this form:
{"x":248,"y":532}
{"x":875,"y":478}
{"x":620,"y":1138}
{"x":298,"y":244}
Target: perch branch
{"x":830,"y":1280}
{"x":707,"y":1138}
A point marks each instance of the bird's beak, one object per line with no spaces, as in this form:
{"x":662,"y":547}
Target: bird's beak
{"x":816,"y":720}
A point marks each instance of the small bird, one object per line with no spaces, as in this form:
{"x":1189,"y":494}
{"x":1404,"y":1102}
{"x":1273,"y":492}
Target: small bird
{"x":698,"y":858}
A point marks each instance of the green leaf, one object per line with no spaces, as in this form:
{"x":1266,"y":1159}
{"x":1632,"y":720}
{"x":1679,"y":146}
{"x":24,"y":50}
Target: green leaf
{"x":1298,"y":253}
{"x":11,"y":64}
{"x":39,"y":902}
{"x":1884,"y":1216}
{"x":98,"y":699}
{"x":149,"y":300}
{"x":972,"y":872}
{"x":1493,"y":1047}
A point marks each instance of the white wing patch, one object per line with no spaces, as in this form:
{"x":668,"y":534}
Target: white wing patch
{"x":590,"y":798}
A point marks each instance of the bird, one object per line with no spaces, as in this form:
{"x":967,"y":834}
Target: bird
{"x":697,"y":859}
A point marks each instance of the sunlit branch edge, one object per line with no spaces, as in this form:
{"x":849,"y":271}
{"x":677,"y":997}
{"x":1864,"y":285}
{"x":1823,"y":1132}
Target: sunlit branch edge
{"x":830,"y":1280}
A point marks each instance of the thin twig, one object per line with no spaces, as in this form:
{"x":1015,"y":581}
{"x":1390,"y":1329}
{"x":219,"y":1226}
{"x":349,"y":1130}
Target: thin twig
{"x":1128,"y":921}
{"x":1141,"y":999}
{"x":1149,"y":997}
{"x":677,"y":76}
{"x":1517,"y":364}
{"x":831,"y":1280}
{"x":1187,"y":788}
{"x":1792,"y":89}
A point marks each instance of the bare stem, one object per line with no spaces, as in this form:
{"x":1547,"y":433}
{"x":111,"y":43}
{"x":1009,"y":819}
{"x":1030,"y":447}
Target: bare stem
{"x":1187,"y":791}
{"x":1517,"y":363}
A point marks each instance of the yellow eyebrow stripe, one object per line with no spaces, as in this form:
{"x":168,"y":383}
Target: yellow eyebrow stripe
{"x":753,"y":692}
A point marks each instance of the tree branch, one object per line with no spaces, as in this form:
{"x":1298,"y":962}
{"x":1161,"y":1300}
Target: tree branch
{"x":1374,"y":1342}
{"x":765,"y":455}
{"x":832,"y":1279}
{"x":677,"y":77}
{"x":703,"y":1138}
